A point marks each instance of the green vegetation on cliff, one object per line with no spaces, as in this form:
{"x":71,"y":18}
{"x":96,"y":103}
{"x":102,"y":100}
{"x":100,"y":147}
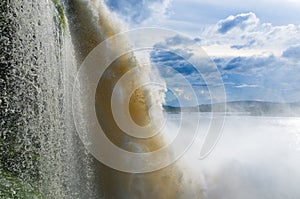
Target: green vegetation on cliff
{"x":13,"y":187}
{"x":60,"y":14}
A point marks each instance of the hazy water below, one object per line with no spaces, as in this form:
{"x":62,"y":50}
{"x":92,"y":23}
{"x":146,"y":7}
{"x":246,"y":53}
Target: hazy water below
{"x":256,"y":157}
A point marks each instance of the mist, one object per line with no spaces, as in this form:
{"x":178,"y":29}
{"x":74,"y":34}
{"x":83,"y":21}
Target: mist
{"x":256,"y":157}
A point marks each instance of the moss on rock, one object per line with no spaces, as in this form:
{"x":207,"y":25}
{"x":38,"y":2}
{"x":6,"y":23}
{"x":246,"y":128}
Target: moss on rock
{"x":13,"y":187}
{"x":60,"y":14}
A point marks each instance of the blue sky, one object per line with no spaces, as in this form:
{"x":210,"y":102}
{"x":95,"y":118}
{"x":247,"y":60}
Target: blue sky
{"x":254,"y":44}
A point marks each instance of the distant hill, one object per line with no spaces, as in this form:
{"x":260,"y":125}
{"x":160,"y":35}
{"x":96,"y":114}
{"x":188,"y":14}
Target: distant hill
{"x":245,"y":107}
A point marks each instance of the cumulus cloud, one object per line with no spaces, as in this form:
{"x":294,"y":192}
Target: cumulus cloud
{"x":245,"y":32}
{"x":242,"y":21}
{"x":260,"y":61}
{"x":255,"y":55}
{"x":175,"y":53}
{"x":250,"y":54}
{"x":137,"y":12}
{"x":174,"y":58}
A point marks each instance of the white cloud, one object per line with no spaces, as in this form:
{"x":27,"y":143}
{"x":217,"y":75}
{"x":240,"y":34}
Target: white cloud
{"x":246,"y":86}
{"x":140,"y":12}
{"x":244,"y":34}
{"x":242,"y":21}
{"x":257,"y":60}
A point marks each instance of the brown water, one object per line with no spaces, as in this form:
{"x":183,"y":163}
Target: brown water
{"x":91,"y":24}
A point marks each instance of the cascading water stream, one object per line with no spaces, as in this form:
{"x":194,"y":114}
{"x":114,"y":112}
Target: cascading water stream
{"x":91,"y":23}
{"x":39,"y":143}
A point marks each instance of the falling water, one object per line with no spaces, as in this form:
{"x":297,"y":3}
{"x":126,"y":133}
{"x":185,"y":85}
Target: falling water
{"x":39,"y":144}
{"x":39,"y":59}
{"x":91,"y":23}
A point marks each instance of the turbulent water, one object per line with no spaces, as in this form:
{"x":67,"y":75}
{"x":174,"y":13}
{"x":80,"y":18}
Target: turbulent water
{"x":166,"y":183}
{"x":40,"y":145}
{"x":41,"y":51}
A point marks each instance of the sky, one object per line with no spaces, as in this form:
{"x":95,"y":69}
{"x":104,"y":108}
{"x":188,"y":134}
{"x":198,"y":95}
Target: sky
{"x":255,"y":45}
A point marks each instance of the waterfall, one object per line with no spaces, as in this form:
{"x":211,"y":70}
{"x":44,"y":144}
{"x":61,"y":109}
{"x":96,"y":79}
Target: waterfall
{"x":39,"y":143}
{"x":41,"y":51}
{"x":90,"y":24}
